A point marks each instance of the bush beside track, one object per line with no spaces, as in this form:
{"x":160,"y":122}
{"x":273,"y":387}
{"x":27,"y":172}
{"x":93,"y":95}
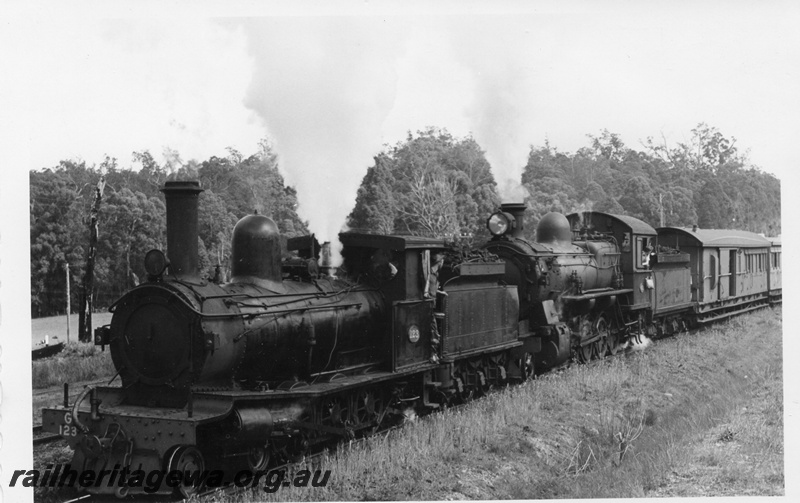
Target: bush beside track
{"x":79,"y":361}
{"x":698,"y":414}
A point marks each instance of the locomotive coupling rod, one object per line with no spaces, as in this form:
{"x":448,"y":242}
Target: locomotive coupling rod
{"x":344,"y":432}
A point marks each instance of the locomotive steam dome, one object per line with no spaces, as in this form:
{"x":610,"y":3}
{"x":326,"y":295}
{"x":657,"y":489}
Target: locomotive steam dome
{"x":554,"y":229}
{"x":256,"y":249}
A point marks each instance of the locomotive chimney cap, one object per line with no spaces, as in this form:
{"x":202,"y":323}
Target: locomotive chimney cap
{"x":192,"y":186}
{"x":512,"y":207}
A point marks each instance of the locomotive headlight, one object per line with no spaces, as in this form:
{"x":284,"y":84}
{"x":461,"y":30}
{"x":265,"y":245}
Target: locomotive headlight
{"x":413,"y":333}
{"x":155,"y":262}
{"x":499,"y":223}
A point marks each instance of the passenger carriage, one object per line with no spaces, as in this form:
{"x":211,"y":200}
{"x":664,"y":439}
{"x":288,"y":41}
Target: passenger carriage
{"x":729,"y":269}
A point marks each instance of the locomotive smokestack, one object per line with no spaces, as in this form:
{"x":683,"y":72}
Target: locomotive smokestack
{"x":182,"y":226}
{"x":516,"y":210}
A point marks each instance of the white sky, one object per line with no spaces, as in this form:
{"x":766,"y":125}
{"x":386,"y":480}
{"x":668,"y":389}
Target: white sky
{"x":85,"y":79}
{"x":100,"y":81}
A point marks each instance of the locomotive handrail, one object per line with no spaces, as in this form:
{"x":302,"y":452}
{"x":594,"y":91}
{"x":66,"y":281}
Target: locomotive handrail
{"x":540,"y":254}
{"x":554,"y":254}
{"x":307,"y":297}
{"x":75,"y":407}
{"x":281,"y":311}
{"x":252,"y":296}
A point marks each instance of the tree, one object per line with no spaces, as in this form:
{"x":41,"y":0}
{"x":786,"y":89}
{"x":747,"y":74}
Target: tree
{"x":215,"y":229}
{"x":457,"y":170}
{"x":640,"y":201}
{"x":56,"y":236}
{"x":608,"y":145}
{"x":131,"y":224}
{"x":707,"y":150}
{"x":376,"y":207}
{"x":430,"y":208}
{"x":678,"y":206}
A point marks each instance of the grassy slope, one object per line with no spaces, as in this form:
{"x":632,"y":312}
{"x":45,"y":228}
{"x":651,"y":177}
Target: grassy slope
{"x":694,"y":415}
{"x":77,"y":362}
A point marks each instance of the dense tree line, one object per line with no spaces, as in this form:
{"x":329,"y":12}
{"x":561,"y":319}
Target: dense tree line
{"x":132,"y":218}
{"x":435,"y":184}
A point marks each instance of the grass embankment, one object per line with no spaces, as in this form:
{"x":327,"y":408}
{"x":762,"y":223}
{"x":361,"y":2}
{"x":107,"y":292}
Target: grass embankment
{"x":694,"y":415}
{"x":79,"y":361}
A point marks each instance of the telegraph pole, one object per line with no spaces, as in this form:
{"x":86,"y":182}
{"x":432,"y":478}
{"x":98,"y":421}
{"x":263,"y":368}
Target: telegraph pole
{"x":85,"y":317}
{"x":661,"y":209}
{"x":66,"y":271}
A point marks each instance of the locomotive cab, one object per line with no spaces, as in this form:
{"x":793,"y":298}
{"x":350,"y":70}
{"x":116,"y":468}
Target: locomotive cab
{"x":636,"y":242}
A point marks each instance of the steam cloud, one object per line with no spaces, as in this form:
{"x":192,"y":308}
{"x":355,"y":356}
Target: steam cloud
{"x":323,"y":87}
{"x":501,"y":112}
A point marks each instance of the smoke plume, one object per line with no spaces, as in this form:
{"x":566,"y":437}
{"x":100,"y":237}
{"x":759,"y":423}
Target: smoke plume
{"x":323,"y":86}
{"x":501,"y":114}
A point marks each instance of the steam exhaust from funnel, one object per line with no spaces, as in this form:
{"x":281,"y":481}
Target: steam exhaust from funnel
{"x":326,"y":262}
{"x":323,"y":87}
{"x":501,"y":114}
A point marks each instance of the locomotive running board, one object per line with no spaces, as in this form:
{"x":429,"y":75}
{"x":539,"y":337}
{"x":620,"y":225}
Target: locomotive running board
{"x":316,"y":390}
{"x":596,"y":295}
{"x":452,"y":357}
{"x":730,"y":313}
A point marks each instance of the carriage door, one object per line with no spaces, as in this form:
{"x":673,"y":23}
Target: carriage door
{"x":732,"y":261}
{"x":724,"y":274}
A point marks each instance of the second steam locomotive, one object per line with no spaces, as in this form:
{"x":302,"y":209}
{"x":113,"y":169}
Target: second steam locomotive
{"x":285,"y":356}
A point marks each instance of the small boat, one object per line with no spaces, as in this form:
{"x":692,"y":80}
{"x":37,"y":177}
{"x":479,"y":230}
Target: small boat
{"x":46,"y":351}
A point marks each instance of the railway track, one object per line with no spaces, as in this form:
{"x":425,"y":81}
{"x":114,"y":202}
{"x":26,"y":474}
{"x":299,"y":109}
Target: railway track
{"x":39,"y":439}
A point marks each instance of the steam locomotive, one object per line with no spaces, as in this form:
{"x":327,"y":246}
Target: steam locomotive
{"x":285,"y":355}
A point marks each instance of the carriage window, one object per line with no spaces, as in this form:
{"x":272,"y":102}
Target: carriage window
{"x":644,"y":248}
{"x":712,"y":265}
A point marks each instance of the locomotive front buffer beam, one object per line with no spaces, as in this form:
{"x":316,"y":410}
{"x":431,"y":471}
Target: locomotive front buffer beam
{"x":125,"y":442}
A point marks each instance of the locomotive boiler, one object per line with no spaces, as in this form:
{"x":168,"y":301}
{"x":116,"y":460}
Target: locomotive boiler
{"x":213,"y":374}
{"x":256,"y":331}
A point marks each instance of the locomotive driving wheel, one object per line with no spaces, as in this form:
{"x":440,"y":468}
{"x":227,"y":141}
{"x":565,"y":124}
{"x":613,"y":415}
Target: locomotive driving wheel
{"x":334,"y":412}
{"x":600,"y":348}
{"x":258,"y":458}
{"x":186,"y":458}
{"x":601,"y":345}
{"x":364,"y":407}
{"x":526,"y":367}
{"x":613,"y":343}
{"x":584,"y":353}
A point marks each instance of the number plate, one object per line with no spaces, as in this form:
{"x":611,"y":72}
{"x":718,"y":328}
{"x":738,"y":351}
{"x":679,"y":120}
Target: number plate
{"x":67,"y":429}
